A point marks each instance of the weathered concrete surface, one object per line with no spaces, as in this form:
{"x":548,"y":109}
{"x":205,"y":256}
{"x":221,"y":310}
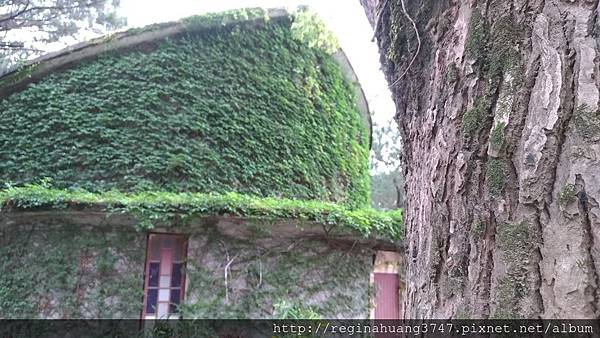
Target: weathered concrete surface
{"x":265,"y":269}
{"x":501,"y":145}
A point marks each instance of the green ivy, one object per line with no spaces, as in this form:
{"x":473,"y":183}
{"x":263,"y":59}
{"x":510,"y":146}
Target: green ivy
{"x":285,"y":309}
{"x":223,"y":18}
{"x":309,"y":28}
{"x":151,"y":207}
{"x":279,"y":282}
{"x":232,"y":108}
{"x":47,"y":274}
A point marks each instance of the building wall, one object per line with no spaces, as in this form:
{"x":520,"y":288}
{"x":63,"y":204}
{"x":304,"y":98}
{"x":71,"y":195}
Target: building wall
{"x":88,"y":266}
{"x":266,"y":271}
{"x":55,"y":268}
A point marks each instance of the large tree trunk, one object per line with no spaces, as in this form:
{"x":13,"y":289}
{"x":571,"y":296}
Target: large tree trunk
{"x":501,"y":150}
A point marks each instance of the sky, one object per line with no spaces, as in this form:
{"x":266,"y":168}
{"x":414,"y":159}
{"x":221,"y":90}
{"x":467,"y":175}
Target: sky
{"x":345,"y":18}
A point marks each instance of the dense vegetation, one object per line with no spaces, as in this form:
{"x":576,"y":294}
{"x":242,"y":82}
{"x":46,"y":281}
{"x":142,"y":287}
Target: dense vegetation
{"x":152,"y":207}
{"x":230,"y":120}
{"x":229,"y":109}
{"x":49,"y":273}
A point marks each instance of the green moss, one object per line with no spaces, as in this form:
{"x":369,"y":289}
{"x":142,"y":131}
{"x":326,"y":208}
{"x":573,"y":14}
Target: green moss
{"x":495,"y":176}
{"x":587,"y":123}
{"x":451,"y":75}
{"x":231,"y":109}
{"x":476,"y":43}
{"x":497,"y":50}
{"x":455,"y":282}
{"x":497,"y":135}
{"x":504,"y":51}
{"x":474,"y":118}
{"x":518,"y":242}
{"x":152,"y":207}
{"x":478,"y":227}
{"x":495,"y":46}
{"x":401,"y":33}
{"x":508,"y":293}
{"x":566,"y":195}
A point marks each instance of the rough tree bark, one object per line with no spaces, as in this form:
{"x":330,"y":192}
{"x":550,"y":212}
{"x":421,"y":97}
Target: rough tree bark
{"x":501,"y":150}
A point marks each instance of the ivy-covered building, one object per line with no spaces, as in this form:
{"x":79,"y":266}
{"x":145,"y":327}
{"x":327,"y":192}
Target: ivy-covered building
{"x":215,"y":167}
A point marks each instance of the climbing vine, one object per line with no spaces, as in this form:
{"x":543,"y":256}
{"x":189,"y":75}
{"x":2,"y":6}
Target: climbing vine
{"x":276,"y":280}
{"x":230,"y":108}
{"x":164,"y":207}
{"x":310,"y":29}
{"x":54,"y":261}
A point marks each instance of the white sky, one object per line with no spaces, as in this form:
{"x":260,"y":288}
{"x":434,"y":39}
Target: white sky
{"x":345,"y":18}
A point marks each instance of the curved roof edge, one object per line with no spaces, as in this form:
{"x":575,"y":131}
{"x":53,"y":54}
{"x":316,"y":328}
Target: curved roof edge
{"x":363,"y":106}
{"x":36,"y":69}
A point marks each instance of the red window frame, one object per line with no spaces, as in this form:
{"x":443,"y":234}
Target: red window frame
{"x":164,"y":280}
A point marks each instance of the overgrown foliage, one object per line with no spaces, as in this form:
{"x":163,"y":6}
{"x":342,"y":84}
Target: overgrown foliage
{"x":151,"y":207}
{"x":51,"y":274}
{"x":309,"y":28}
{"x":284,"y":309}
{"x":232,"y":108}
{"x":284,"y":279}
{"x":221,"y":18}
{"x":47,"y":273}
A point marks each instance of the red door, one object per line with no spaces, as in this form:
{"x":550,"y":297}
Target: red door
{"x":387,"y":299}
{"x":165,"y":275}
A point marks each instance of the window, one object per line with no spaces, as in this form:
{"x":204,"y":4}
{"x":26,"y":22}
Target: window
{"x":387,"y":303}
{"x":165,"y":275}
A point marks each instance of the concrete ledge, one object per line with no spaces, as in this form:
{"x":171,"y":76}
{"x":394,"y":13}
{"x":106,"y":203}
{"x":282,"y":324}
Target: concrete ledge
{"x":234,"y":226}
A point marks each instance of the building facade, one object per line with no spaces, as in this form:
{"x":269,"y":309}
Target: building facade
{"x":215,"y":167}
